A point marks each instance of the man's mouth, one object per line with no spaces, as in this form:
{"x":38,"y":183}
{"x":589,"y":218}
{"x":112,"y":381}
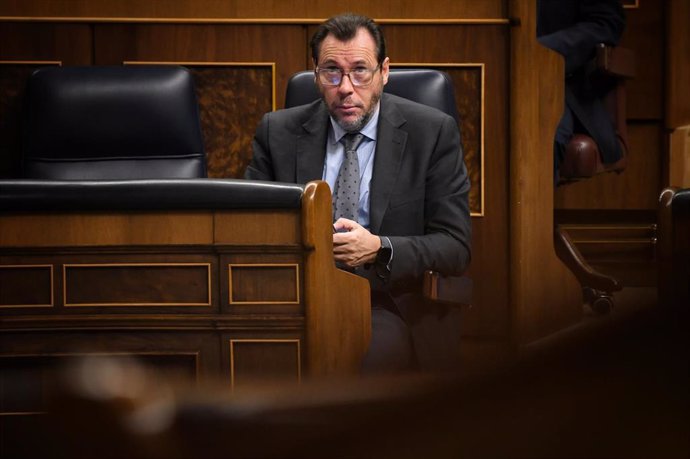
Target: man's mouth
{"x":347,"y":107}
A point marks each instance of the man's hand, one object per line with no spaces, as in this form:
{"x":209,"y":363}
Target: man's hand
{"x":354,"y":245}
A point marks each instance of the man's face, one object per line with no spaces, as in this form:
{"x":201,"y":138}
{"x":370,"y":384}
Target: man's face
{"x":352,"y":106}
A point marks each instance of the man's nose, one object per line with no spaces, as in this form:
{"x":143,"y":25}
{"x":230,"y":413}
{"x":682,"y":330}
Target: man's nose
{"x":346,"y":86}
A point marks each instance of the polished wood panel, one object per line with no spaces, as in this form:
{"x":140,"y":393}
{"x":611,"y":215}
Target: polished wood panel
{"x":283,"y":263}
{"x":121,"y":280}
{"x":263,"y":284}
{"x":644,"y":36}
{"x":252,"y":9}
{"x":102,"y":229}
{"x":636,"y":188}
{"x":263,"y":227}
{"x":338,"y":302}
{"x":255,"y":361}
{"x":677,"y":63}
{"x":281,"y":45}
{"x":26,"y":286}
{"x":544,"y":295}
{"x":679,"y":158}
{"x":137,"y":284}
{"x":71,"y":44}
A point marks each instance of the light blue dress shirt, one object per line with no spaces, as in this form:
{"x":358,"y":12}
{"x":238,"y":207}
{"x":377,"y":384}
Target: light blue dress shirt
{"x":335,"y":153}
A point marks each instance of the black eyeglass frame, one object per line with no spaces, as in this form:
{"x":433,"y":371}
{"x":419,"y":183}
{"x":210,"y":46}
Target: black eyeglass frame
{"x":343,"y":74}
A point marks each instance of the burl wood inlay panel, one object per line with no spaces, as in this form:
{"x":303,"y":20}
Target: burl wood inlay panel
{"x":164,"y":284}
{"x":259,"y":360}
{"x":232,"y":100}
{"x":469,"y":94}
{"x":264,"y":284}
{"x":468,"y":83}
{"x":26,"y":286}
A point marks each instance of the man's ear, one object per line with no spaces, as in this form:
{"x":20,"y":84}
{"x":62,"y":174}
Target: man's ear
{"x":385,"y":68}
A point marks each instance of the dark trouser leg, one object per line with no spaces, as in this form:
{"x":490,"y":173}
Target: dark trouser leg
{"x":390,"y":349}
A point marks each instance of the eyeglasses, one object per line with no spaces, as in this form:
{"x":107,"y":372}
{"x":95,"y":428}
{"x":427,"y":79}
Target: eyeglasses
{"x":359,"y":76}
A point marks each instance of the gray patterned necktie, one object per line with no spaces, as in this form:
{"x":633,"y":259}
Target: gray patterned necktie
{"x":346,"y":192}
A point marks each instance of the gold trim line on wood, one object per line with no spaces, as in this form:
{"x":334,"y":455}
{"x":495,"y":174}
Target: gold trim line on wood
{"x":263,"y":265}
{"x":264,"y":340}
{"x":650,"y":241}
{"x":151,"y":322}
{"x":22,"y":413}
{"x":585,"y":227}
{"x":58,"y":63}
{"x":633,"y":6}
{"x":481,"y":156}
{"x":482,"y":67}
{"x":243,"y":21}
{"x":52,"y":287}
{"x":219,"y":64}
{"x":195,"y":354}
{"x":137,"y":265}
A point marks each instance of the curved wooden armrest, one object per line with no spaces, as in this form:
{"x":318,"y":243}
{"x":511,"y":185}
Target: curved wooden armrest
{"x":573,"y":259}
{"x":448,"y":289}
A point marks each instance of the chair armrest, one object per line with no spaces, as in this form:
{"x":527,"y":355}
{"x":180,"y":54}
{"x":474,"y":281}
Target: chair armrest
{"x":448,"y":289}
{"x":571,"y":256}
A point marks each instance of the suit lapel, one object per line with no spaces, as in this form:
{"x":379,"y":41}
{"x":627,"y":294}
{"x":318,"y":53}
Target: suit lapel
{"x":389,"y":152}
{"x":311,"y":147}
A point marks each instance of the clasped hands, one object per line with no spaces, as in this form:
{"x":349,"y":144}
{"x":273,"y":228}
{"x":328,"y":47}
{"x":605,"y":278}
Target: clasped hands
{"x":354,"y":245}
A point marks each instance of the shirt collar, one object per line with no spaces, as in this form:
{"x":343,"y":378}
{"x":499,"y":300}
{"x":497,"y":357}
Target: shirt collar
{"x":369,"y":130}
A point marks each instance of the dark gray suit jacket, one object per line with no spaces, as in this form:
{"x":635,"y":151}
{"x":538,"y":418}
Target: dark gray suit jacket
{"x":418,"y":198}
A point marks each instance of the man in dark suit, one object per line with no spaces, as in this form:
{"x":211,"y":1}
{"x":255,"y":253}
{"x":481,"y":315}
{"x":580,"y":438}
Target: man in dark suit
{"x":573,"y":28}
{"x":411,"y":207}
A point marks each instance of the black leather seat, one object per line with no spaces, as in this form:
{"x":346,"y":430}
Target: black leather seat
{"x":426,"y":86}
{"x":147,"y":195}
{"x":95,"y":123}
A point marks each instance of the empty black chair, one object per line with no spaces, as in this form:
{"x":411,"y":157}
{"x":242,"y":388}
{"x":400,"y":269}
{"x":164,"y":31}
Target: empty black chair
{"x":93,"y":123}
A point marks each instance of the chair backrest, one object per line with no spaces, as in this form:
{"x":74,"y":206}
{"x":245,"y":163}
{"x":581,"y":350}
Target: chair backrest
{"x":127,"y":122}
{"x":426,"y":86}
